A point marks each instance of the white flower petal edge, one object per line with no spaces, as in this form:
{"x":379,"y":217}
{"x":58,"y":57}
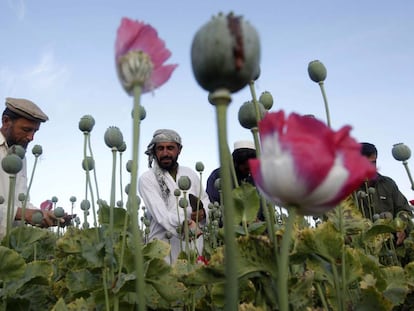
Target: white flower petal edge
{"x":328,"y":190}
{"x":280,"y":181}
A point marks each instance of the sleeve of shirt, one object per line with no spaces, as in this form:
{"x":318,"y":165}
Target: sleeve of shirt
{"x":211,"y":190}
{"x":167,"y":217}
{"x":400,"y":201}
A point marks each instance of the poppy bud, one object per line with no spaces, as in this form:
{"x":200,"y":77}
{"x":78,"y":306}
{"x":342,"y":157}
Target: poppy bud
{"x":401,"y":152}
{"x":317,"y":71}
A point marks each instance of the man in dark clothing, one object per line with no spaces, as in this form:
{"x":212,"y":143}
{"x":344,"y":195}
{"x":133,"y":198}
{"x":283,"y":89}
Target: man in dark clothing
{"x":382,"y":194}
{"x":243,"y":151}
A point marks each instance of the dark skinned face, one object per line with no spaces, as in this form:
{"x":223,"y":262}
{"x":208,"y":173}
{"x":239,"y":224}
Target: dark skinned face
{"x":20,"y":131}
{"x":167,"y":154}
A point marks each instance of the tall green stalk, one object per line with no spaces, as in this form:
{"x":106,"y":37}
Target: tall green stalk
{"x":10,"y":203}
{"x":269,"y":218}
{"x":133,"y":203}
{"x":28,"y":191}
{"x":221,"y":99}
{"x":88,"y":177}
{"x":325,"y":100}
{"x":283,"y":263}
{"x":112,"y":199}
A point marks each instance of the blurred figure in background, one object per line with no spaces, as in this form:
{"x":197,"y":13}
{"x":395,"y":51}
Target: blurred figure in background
{"x":243,"y":151}
{"x":382,"y":194}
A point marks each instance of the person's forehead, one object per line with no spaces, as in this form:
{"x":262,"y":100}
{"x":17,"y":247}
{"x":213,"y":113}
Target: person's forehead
{"x":23,"y":122}
{"x":166,"y":144}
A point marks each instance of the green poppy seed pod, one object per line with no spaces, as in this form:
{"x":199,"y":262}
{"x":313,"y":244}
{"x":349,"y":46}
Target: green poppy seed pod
{"x":375,"y":217}
{"x":54,"y":199}
{"x":386,"y":215}
{"x":72,"y":199}
{"x":183,"y":202}
{"x":361,"y":194}
{"x":88,"y":164}
{"x":59,"y":212}
{"x":113,"y":137}
{"x":37,"y":150}
{"x":317,"y":71}
{"x":2,"y":199}
{"x":401,"y":152}
{"x":404,"y":216}
{"x":122,"y":148}
{"x":129,"y":166}
{"x":266,"y":99}
{"x":217,"y":184}
{"x":85,"y":205}
{"x":18,"y":150}
{"x":247,"y":114}
{"x":177,"y":192}
{"x":102,"y":203}
{"x":142,"y":113}
{"x":184,"y":183}
{"x":37,"y":218}
{"x":77,"y":221}
{"x":12,"y":164}
{"x":86,"y":123}
{"x":21,"y":197}
{"x":199,"y":166}
{"x":225,"y":53}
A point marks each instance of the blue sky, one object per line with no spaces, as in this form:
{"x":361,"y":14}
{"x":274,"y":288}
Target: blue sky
{"x":60,"y":54}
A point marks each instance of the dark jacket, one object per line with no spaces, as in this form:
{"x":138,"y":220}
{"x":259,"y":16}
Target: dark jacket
{"x":386,"y":198}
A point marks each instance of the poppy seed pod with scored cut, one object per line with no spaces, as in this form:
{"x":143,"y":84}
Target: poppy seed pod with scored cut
{"x":225,"y":53}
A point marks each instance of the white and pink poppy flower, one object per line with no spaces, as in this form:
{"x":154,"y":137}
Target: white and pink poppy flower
{"x":140,"y":55}
{"x":306,"y":164}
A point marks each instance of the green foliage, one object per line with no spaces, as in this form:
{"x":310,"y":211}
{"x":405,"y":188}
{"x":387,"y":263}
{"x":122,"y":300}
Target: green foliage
{"x":88,"y":269}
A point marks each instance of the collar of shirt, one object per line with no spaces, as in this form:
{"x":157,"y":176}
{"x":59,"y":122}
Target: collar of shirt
{"x":3,"y":140}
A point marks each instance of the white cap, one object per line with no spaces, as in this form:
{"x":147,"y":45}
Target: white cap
{"x":246,"y":144}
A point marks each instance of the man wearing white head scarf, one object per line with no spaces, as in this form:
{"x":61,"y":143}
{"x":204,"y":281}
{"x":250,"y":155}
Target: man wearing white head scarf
{"x":156,"y":188}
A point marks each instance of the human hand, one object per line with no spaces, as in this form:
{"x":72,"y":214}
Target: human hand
{"x":38,"y":217}
{"x":400,"y":237}
{"x":198,"y":216}
{"x":193,"y":227}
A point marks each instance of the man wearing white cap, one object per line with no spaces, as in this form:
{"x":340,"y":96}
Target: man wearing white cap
{"x":156,"y":187}
{"x":243,"y":151}
{"x":20,"y":121}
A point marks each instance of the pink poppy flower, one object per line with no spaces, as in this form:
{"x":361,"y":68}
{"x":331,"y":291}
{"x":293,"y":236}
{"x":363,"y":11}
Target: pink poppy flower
{"x":306,"y":164}
{"x":46,"y":205}
{"x":140,"y":55}
{"x":202,"y":260}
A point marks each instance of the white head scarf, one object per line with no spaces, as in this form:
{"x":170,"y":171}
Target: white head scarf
{"x":161,"y":136}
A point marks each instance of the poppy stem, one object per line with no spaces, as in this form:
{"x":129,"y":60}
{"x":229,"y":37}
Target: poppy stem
{"x":221,"y":99}
{"x":325,"y":100}
{"x":283,"y":262}
{"x":133,"y":203}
